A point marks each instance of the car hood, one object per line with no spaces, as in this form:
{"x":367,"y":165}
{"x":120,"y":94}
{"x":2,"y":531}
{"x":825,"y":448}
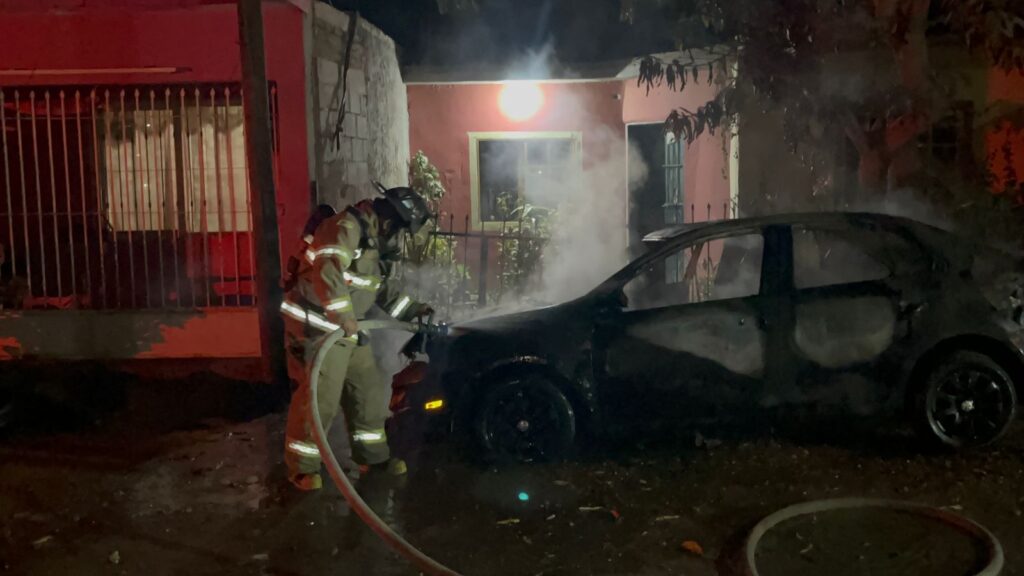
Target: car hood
{"x":537,"y":318}
{"x":553,"y":333}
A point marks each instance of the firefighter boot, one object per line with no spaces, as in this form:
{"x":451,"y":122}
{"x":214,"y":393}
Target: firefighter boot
{"x":306,"y":482}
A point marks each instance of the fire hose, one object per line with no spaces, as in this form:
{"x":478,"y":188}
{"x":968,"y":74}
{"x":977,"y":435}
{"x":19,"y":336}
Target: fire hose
{"x":421,"y":561}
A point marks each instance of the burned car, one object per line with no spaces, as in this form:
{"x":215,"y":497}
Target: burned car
{"x":876,"y":314}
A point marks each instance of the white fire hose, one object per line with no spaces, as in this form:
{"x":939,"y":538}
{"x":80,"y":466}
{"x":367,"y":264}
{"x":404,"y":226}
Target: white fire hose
{"x":422,"y":562}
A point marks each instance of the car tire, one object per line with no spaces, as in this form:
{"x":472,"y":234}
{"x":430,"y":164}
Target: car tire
{"x":525,"y":418}
{"x":966,"y":400}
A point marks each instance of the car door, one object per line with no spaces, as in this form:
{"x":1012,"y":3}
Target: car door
{"x":852,"y":298}
{"x":692,"y":335}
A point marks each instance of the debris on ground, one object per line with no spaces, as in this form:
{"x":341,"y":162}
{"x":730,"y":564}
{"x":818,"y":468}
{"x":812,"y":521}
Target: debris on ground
{"x":710,"y":443}
{"x":41,"y":541}
{"x":693,"y":547}
{"x":115,"y":557}
{"x":612,"y":512}
{"x":262,"y":557}
{"x":667,"y":518}
{"x":508,"y":522}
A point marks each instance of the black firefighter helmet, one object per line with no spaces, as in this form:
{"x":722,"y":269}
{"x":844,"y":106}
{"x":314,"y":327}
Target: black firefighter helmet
{"x":411,"y":208}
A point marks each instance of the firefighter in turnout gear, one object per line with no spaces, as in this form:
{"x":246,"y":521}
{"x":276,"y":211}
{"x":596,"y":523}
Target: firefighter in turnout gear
{"x":337,"y":275}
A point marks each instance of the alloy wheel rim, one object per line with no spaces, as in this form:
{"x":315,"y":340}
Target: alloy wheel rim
{"x":970,"y":405}
{"x":523,"y":423}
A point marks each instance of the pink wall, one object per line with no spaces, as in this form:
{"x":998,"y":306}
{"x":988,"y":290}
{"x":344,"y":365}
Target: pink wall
{"x":442,"y":115}
{"x":201,"y":39}
{"x":705,"y":174}
{"x":1005,"y":86}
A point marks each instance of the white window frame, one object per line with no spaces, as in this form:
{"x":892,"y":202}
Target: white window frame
{"x":474,"y":165}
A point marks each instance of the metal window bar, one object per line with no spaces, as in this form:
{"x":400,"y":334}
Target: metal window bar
{"x":125,"y":197}
{"x":468,"y":277}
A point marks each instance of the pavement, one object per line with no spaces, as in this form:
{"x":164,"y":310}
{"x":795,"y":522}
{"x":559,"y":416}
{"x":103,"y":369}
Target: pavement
{"x":168,"y":481}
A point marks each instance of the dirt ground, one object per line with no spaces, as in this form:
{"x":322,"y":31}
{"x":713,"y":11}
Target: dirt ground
{"x":179,"y":480}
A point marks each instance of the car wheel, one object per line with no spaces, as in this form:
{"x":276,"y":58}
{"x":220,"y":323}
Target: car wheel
{"x":526,"y":418}
{"x":966,"y":400}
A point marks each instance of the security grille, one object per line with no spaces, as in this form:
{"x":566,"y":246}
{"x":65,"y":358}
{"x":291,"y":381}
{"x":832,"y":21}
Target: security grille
{"x":125,"y":197}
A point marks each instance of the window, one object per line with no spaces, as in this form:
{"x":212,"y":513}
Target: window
{"x":139,"y":164}
{"x":218,"y":193}
{"x":141,"y":158}
{"x":673,"y":206}
{"x":828,"y":257}
{"x":946,"y":139}
{"x":715,"y":269}
{"x":673,"y":180}
{"x":510,"y":169}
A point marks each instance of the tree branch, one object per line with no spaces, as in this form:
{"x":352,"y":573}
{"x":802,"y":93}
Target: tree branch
{"x":904,"y":129}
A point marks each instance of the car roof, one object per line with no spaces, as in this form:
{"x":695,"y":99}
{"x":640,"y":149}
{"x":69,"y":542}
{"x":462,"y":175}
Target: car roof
{"x":798,"y":218}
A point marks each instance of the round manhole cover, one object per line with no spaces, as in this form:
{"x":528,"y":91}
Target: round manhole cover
{"x":881,"y":538}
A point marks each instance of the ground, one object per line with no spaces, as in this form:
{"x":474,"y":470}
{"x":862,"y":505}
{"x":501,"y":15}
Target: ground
{"x":159,"y":486}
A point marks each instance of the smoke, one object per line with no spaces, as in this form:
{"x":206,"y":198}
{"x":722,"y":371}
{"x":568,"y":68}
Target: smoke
{"x":586,"y":185}
{"x":906,"y":203}
{"x":588,"y":242}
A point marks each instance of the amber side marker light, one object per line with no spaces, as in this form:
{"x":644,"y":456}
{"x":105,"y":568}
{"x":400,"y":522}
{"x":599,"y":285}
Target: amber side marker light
{"x":434,"y":405}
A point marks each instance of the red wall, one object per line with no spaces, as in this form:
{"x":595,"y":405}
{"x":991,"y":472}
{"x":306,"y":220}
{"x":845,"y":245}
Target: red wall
{"x":197,"y":37}
{"x":200,"y":38}
{"x":1010,"y":87}
{"x":704,"y":173}
{"x":442,"y":115}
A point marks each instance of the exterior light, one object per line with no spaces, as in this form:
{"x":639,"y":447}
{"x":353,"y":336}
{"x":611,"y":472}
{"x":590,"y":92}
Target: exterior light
{"x":519,"y":101}
{"x":434,"y":405}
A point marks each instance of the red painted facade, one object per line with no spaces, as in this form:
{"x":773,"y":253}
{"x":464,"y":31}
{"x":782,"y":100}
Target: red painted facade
{"x":88,"y":43}
{"x":706,"y":185}
{"x":441,"y":116}
{"x":198,"y":38}
{"x":1005,"y":143}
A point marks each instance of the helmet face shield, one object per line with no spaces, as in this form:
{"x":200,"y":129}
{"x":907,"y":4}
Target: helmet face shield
{"x":411,"y":208}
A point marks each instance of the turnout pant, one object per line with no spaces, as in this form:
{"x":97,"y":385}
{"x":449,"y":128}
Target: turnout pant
{"x":349,"y":379}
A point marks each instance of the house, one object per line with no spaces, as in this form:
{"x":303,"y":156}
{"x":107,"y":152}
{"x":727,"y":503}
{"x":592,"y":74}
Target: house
{"x":591,"y":136}
{"x":124,"y":205}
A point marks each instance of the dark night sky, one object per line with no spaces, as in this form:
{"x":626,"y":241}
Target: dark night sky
{"x":580,"y":30}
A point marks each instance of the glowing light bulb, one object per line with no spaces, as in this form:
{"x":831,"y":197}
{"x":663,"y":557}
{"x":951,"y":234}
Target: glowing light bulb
{"x":519,"y":101}
{"x":524,"y":497}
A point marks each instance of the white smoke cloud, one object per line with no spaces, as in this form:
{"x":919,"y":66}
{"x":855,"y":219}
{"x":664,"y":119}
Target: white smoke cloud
{"x":589,"y":230}
{"x":588,"y":241}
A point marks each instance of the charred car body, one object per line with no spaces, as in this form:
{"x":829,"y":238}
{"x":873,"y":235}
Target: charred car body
{"x":875,"y":313}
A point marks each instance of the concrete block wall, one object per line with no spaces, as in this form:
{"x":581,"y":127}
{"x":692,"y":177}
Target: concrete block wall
{"x":374,"y":140}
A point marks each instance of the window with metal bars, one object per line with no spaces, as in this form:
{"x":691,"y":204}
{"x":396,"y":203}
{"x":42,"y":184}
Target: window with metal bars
{"x":673,"y":206}
{"x":125,"y":196}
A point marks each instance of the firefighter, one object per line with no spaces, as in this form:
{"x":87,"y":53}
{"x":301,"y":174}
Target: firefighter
{"x":340,"y":272}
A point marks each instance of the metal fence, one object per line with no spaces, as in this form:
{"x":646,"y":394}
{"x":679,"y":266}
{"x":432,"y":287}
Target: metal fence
{"x":125,"y":197}
{"x":463,"y":270}
{"x":460,"y":269}
{"x":697,"y":266}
